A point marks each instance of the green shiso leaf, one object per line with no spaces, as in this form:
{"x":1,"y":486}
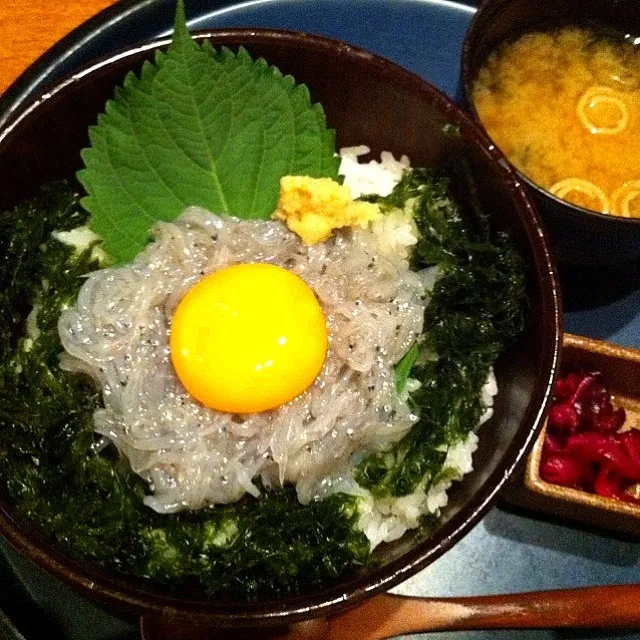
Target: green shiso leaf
{"x":198,"y":127}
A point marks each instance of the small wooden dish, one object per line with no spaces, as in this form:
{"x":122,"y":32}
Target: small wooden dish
{"x":620,"y":369}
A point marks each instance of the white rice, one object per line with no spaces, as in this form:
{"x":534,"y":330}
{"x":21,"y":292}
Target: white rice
{"x":372,"y":177}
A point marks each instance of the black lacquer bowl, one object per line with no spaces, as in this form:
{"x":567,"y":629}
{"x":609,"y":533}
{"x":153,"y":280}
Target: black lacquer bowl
{"x":368,"y":100}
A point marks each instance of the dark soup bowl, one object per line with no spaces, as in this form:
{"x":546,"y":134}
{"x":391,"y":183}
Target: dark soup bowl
{"x":591,"y":248}
{"x":367,"y":100}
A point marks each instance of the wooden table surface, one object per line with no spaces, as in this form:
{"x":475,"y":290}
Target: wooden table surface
{"x":30,"y":27}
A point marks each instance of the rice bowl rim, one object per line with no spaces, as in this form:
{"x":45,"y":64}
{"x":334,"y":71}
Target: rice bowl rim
{"x":135,"y":596}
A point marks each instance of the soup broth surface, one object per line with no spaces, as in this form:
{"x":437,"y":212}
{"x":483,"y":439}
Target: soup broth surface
{"x":564,"y":107}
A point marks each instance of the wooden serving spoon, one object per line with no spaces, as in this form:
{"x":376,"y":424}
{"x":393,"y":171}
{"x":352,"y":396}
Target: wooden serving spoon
{"x":387,"y":615}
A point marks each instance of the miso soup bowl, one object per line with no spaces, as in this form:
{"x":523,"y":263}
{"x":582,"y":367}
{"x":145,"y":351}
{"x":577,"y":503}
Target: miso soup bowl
{"x":579,"y":238}
{"x":368,"y":100}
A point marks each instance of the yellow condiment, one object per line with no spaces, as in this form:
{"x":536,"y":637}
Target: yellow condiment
{"x":314,"y":207}
{"x":564,"y":107}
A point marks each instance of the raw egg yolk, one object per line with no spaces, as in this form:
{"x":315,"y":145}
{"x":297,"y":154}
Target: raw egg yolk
{"x":248,"y":338}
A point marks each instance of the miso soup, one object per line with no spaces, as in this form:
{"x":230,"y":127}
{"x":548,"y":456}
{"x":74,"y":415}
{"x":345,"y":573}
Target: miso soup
{"x":564,"y":107}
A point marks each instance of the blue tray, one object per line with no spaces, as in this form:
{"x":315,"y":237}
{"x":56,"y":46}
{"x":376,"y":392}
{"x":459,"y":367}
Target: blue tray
{"x":508,"y":551}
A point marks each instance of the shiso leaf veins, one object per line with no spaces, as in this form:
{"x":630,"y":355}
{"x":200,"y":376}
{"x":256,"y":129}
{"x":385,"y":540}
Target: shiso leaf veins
{"x":203,"y":127}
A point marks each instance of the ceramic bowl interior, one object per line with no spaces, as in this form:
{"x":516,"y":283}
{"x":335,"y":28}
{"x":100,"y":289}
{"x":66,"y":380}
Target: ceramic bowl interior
{"x":579,"y":237}
{"x":367,"y":100}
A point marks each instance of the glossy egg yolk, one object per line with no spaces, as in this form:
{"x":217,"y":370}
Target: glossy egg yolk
{"x":248,"y":338}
